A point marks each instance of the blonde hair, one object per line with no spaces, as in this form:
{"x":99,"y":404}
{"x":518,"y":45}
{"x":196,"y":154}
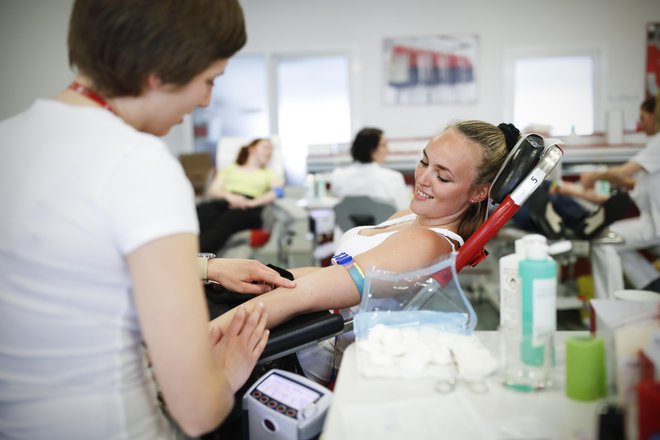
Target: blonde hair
{"x":495,"y":151}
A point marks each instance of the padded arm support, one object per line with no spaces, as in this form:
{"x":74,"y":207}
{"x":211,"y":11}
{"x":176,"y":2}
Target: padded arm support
{"x":472,"y":252}
{"x":301,"y":331}
{"x":523,"y":157}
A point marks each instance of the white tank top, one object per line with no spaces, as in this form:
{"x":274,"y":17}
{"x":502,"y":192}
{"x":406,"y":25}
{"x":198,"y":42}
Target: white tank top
{"x":353,"y":243}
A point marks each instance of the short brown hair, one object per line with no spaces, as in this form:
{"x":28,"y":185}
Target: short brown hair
{"x":365,"y":143}
{"x":119,"y":43}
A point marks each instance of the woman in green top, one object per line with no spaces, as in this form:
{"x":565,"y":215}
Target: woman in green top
{"x":237,"y":196}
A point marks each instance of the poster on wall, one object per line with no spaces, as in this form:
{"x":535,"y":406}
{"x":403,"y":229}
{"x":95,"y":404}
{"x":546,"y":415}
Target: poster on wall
{"x":652,"y":80}
{"x":430,"y":70}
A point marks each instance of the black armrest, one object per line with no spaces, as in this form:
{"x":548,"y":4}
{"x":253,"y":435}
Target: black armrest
{"x":301,"y":331}
{"x":290,"y":336}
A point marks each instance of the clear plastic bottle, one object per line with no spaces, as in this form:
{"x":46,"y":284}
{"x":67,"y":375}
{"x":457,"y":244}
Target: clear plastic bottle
{"x":510,"y":311}
{"x":510,"y":294}
{"x":538,"y":276}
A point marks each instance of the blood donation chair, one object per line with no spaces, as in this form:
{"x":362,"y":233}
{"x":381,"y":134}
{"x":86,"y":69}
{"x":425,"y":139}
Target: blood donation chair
{"x":529,"y":162}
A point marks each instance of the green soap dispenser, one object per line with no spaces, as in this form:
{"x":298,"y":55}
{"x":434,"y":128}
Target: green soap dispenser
{"x":538,"y":280}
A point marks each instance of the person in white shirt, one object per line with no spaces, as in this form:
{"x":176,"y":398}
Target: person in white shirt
{"x":367,"y":176}
{"x":641,"y":174}
{"x":98,"y":237}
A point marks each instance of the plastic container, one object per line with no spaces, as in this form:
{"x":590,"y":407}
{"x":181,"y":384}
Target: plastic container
{"x":416,"y":316}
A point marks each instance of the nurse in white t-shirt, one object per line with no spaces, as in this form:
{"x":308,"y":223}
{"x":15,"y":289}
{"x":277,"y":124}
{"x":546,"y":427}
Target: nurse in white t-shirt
{"x":98,"y":237}
{"x":641,"y":174}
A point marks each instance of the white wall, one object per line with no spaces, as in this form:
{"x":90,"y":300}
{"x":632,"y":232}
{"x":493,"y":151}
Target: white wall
{"x":34,"y":62}
{"x":615,"y":28}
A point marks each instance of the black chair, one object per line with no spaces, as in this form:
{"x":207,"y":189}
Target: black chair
{"x":354,"y":211}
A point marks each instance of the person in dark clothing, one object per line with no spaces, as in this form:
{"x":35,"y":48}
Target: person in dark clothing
{"x":552,"y":210}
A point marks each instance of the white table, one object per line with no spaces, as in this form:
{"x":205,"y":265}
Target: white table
{"x":411,"y":409}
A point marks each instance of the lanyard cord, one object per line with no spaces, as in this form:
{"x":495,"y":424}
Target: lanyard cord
{"x":79,"y":88}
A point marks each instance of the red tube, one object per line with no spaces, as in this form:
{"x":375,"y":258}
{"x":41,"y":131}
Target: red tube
{"x":476,"y":243}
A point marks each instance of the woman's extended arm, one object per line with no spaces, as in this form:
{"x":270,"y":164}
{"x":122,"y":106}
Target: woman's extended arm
{"x":618,"y":175}
{"x":332,"y":287}
{"x":302,"y":271}
{"x":197,"y":382}
{"x":576,"y":190}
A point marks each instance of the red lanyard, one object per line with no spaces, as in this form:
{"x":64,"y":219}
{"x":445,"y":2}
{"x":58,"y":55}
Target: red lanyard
{"x":79,"y":88}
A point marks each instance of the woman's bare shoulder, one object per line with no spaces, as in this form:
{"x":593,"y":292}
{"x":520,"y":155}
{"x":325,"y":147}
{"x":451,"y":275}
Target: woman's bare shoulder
{"x":420,"y":235}
{"x":409,"y":249}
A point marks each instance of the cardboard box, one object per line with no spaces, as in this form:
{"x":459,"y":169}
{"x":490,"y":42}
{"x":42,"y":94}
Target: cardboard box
{"x":199,"y":169}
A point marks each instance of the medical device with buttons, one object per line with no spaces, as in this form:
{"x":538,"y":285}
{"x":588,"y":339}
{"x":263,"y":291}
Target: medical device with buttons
{"x":282,"y":405}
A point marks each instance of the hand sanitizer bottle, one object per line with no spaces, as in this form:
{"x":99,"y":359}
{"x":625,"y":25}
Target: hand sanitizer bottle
{"x":538,"y":276}
{"x":510,"y":295}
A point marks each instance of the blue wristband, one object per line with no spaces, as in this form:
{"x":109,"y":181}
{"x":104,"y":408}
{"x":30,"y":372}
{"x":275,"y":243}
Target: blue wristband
{"x":358,"y":277}
{"x":353,"y":270}
{"x":279,"y":192}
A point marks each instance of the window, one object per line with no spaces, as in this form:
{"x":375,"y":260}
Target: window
{"x":239,"y":105}
{"x":556,"y":92}
{"x":313,"y":107}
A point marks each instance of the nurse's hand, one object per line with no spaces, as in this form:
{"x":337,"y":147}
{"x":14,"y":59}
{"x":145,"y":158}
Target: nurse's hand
{"x":245,"y":276}
{"x":237,"y":349}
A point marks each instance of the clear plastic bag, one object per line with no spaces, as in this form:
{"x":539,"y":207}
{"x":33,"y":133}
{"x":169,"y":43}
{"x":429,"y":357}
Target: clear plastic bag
{"x":430,"y":296}
{"x":409,"y":323}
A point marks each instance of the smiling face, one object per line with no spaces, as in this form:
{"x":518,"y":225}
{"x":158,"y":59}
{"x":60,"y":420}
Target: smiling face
{"x":168,"y":103}
{"x":444,"y":179}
